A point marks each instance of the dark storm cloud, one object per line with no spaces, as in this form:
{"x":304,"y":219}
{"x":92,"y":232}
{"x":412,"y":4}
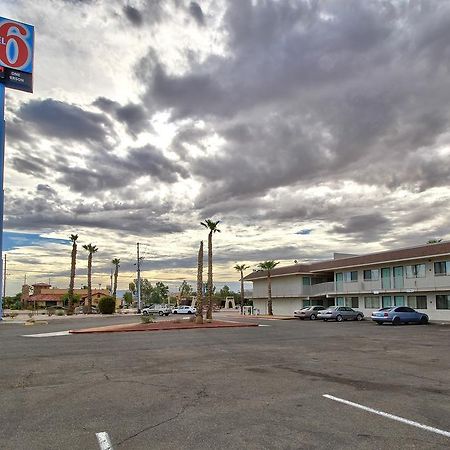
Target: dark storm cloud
{"x":55,"y":119}
{"x":312,"y":92}
{"x":367,"y":226}
{"x":133,"y":15}
{"x":196,"y":12}
{"x":46,"y":190}
{"x":134,"y":116}
{"x":39,"y":211}
{"x":29,"y":166}
{"x":108,"y":172}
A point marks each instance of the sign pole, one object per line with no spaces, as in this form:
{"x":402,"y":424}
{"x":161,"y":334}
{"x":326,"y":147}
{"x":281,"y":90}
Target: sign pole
{"x":2,"y":193}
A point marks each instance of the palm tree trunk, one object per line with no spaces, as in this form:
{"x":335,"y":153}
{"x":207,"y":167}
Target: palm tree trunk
{"x":210,"y":277}
{"x":199,"y":305}
{"x":116,"y":274}
{"x":72,"y":276}
{"x":89,"y":310}
{"x":242,"y":292}
{"x":269,"y":295}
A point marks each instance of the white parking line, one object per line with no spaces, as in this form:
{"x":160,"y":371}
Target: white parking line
{"x":389,"y":416}
{"x":104,"y":441}
{"x":56,"y":333}
{"x":261,"y":325}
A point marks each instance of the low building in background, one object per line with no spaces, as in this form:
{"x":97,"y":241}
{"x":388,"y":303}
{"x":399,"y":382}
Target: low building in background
{"x":43,"y":295}
{"x":418,"y":277}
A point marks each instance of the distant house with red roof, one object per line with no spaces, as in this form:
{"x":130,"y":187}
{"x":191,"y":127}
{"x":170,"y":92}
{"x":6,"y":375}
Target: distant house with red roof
{"x":43,"y":295}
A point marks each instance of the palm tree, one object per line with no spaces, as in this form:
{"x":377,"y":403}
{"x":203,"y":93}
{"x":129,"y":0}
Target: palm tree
{"x":116,"y":262}
{"x":91,"y":249}
{"x":269,"y":266}
{"x":240,"y":268}
{"x":73,"y":239}
{"x":212,"y":227}
{"x":199,"y":303}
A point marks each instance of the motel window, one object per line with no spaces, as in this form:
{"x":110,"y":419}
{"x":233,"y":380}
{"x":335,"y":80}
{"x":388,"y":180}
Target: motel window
{"x":306,"y":281}
{"x":442,"y":268}
{"x":389,"y":301}
{"x":417,"y":301}
{"x":415,"y":271}
{"x":340,"y":301}
{"x":371,"y":302}
{"x":352,"y":302}
{"x":350,"y":277}
{"x":442,"y":301}
{"x":372,"y":275}
{"x":306,"y":303}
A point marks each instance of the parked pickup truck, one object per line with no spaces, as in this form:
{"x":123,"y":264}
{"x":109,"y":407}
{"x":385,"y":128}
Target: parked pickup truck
{"x":161,"y":309}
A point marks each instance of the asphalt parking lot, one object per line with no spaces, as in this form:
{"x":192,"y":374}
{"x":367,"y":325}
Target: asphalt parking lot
{"x":241,"y":388}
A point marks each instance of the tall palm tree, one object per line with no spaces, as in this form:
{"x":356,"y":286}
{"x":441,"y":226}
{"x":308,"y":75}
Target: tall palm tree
{"x":240,"y":268}
{"x":269,"y":266}
{"x":212,"y":227}
{"x":116,"y":262}
{"x":73,"y":239}
{"x":91,"y":249}
{"x":199,"y":303}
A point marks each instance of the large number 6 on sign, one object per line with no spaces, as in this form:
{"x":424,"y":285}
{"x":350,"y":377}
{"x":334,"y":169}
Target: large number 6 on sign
{"x":21,"y":53}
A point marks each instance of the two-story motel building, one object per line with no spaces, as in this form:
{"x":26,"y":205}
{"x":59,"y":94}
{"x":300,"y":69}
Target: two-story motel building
{"x":417,"y":276}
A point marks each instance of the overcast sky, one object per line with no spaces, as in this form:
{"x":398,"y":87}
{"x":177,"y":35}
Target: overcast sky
{"x":305,"y":127}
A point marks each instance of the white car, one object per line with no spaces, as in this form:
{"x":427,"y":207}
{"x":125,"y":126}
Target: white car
{"x":184,"y":309}
{"x":161,"y":309}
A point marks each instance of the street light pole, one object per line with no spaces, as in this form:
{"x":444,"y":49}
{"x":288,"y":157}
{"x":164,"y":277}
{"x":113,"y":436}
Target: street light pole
{"x":138,"y":278}
{"x":2,"y":192}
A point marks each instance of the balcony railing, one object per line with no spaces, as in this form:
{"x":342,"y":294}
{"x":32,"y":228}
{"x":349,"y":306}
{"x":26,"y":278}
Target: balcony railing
{"x":378,"y":286}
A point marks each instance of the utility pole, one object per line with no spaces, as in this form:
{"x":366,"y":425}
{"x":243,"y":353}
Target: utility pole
{"x":138,"y":279}
{"x":4,"y":282}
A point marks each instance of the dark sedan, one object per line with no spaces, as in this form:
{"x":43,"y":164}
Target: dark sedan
{"x":399,"y":314}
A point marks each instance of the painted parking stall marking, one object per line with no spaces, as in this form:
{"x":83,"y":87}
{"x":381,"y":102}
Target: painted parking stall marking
{"x":104,"y":441}
{"x":389,"y":416}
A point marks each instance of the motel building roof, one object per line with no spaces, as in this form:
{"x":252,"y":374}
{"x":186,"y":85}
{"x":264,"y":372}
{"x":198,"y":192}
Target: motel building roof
{"x":347,"y":262}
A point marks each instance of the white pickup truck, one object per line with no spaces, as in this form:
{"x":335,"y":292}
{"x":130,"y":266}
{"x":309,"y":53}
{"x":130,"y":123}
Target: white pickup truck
{"x":161,"y":309}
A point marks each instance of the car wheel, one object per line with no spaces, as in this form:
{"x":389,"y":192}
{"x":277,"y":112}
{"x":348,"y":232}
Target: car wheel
{"x":424,"y":320}
{"x":189,"y":312}
{"x":161,"y":313}
{"x":325,"y":320}
{"x":359,"y":317}
{"x":339,"y":318}
{"x":379,"y":323}
{"x":144,"y":313}
{"x":175,"y":312}
{"x":166,"y":314}
{"x":396,"y":321}
{"x":312,"y":317}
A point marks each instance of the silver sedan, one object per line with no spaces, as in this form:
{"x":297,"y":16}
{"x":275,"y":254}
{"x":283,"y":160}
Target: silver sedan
{"x":308,"y":312}
{"x":340,"y":313}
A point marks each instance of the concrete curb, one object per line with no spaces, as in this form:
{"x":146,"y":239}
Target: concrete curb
{"x":160,"y":326}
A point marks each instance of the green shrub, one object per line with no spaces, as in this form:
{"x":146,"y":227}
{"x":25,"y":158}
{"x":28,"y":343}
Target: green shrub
{"x":60,"y":313}
{"x":107,"y":305}
{"x":148,"y":318}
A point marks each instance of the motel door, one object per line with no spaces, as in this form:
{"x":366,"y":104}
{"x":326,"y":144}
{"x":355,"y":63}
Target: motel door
{"x":398,"y":277}
{"x":386,"y":278}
